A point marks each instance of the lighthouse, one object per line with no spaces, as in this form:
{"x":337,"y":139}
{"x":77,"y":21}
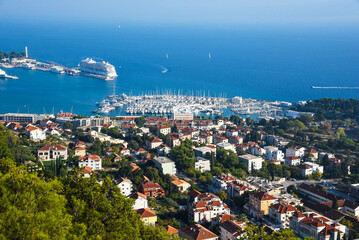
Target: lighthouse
{"x":26,"y":55}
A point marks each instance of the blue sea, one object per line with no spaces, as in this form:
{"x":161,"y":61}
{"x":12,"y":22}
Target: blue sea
{"x":267,"y":63}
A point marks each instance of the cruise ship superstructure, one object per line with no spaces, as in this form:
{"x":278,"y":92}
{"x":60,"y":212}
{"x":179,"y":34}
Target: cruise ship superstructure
{"x":101,"y":68}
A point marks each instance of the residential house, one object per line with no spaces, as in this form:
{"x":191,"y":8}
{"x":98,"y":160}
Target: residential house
{"x":295,"y":151}
{"x":207,"y":207}
{"x":34,"y":133}
{"x":153,"y":143}
{"x":202,"y":164}
{"x":163,"y":129}
{"x":80,"y":151}
{"x":14,"y":126}
{"x":92,"y":161}
{"x":220,"y":183}
{"x":163,"y":150}
{"x":196,"y":232}
{"x":147,"y":216}
{"x":151,"y":189}
{"x":236,"y":188}
{"x":52,"y":152}
{"x":280,"y":213}
{"x":219,"y":139}
{"x":125,"y":186}
{"x":140,"y":200}
{"x":171,"y":230}
{"x":124,"y":151}
{"x":274,"y":153}
{"x":308,"y":168}
{"x":235,"y":140}
{"x":314,"y":152}
{"x":259,"y":203}
{"x":86,"y":172}
{"x":258,"y":151}
{"x":292,"y":161}
{"x":231,"y":230}
{"x":181,"y":185}
{"x":205,"y":138}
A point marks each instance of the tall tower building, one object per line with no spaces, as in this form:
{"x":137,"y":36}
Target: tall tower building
{"x":26,"y":55}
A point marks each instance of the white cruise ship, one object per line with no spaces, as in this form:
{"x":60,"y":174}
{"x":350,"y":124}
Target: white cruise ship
{"x":99,"y":68}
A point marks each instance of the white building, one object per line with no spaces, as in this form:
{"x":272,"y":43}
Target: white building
{"x":206,"y":207}
{"x":274,"y":153}
{"x":295,"y":151}
{"x":253,"y":162}
{"x":279,"y":215}
{"x":140,"y":200}
{"x":164,"y":129}
{"x":292,"y":161}
{"x":125,"y":186}
{"x":166,"y":165}
{"x":35,"y":133}
{"x":202,"y":151}
{"x":308,"y":168}
{"x":227,"y":146}
{"x":153,"y":143}
{"x":92,"y":161}
{"x":258,"y":151}
{"x":220,"y":183}
{"x":202,"y":164}
{"x":52,"y":152}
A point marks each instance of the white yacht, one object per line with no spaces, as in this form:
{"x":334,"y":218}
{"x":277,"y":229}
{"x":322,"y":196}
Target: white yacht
{"x":99,"y":68}
{"x":28,"y":66}
{"x":57,"y":69}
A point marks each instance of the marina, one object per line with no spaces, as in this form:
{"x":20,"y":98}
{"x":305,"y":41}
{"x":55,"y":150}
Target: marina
{"x":168,"y":103}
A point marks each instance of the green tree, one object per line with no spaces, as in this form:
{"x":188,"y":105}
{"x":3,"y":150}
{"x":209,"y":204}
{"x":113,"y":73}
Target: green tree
{"x":31,"y":208}
{"x":339,"y":133}
{"x":335,"y":203}
{"x":222,"y":195}
{"x":140,"y":121}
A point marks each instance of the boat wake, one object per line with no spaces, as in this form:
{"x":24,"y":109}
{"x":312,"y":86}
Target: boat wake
{"x":336,"y":87}
{"x":163,"y":69}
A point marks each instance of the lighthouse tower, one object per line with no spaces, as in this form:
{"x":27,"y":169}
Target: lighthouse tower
{"x":26,"y":55}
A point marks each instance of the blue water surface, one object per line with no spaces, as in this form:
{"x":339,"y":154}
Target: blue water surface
{"x":279,"y":63}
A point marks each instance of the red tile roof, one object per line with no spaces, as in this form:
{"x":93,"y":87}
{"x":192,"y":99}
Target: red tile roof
{"x":145,"y":212}
{"x":262,"y":196}
{"x":55,"y":147}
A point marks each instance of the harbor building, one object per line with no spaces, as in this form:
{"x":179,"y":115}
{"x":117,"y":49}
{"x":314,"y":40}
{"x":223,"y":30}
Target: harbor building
{"x":182,"y":116}
{"x":24,"y":117}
